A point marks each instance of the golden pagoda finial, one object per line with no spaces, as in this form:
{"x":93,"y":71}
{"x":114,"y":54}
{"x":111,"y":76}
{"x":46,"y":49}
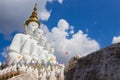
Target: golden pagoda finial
{"x":33,"y":16}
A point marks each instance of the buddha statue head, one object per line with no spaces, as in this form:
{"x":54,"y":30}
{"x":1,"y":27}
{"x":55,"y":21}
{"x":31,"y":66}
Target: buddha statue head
{"x":43,"y":41}
{"x":38,"y":34}
{"x":32,"y":23}
{"x":32,"y":26}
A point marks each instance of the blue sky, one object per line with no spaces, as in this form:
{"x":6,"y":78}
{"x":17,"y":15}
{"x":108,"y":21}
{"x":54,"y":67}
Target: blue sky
{"x":99,"y":19}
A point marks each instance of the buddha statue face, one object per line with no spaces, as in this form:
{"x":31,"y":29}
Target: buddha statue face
{"x":52,"y":50}
{"x":32,"y":26}
{"x":48,"y":46}
{"x":38,"y":34}
{"x":43,"y":40}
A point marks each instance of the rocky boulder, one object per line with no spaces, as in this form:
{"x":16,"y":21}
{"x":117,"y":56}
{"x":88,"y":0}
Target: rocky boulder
{"x":100,"y":65}
{"x":70,"y":67}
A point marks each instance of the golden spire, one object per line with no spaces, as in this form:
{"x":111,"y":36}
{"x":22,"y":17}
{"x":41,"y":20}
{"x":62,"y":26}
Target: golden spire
{"x":33,"y":16}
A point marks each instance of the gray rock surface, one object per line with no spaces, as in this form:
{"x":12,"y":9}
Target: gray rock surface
{"x":100,"y":65}
{"x":70,"y":67}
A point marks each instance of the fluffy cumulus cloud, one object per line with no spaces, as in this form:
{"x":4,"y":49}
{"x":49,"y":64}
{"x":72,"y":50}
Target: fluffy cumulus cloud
{"x":14,"y":13}
{"x":65,"y":48}
{"x":116,"y":39}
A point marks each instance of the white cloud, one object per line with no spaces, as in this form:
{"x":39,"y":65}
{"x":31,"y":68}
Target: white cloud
{"x":5,"y":52}
{"x":63,"y":25}
{"x":44,"y":15}
{"x":116,"y":39}
{"x":72,"y":32}
{"x":65,"y":48}
{"x":71,"y":29}
{"x":44,"y":27}
{"x":14,"y":13}
{"x":60,"y":1}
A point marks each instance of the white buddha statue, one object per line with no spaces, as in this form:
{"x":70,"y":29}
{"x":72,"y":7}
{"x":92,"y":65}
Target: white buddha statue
{"x":38,"y":35}
{"x":51,"y":51}
{"x":31,"y":47}
{"x":49,"y":48}
{"x":19,"y":39}
{"x":13,"y":58}
{"x":46,"y":45}
{"x":42,"y":57}
{"x":43,"y":41}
